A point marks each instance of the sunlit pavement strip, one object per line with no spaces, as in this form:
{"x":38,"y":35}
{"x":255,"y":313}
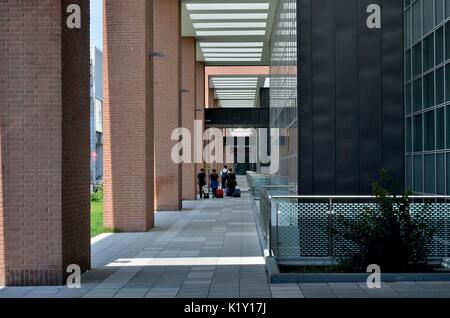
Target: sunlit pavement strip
{"x":211,"y":249}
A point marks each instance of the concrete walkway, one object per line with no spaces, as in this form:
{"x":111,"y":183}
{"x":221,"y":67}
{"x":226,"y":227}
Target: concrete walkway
{"x":210,"y":249}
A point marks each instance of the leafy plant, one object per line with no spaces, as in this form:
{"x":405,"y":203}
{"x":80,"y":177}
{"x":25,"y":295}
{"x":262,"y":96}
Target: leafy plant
{"x":97,"y":195}
{"x":388,"y":235}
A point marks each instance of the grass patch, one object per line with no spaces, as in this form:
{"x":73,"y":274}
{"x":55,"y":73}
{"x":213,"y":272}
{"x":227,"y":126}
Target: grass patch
{"x":97,"y":219}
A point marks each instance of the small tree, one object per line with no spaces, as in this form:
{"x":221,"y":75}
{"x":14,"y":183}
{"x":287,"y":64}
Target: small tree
{"x":388,"y":235}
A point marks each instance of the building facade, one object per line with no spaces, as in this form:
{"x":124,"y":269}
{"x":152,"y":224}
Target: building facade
{"x":427,"y":95}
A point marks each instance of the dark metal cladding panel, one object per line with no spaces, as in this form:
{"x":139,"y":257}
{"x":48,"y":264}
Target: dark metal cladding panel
{"x":392,"y":94}
{"x":370,"y":138}
{"x":323,"y":79}
{"x":305,"y":97}
{"x":347,"y":164}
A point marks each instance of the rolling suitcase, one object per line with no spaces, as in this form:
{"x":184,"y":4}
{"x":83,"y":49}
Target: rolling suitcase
{"x":237,"y":193}
{"x":219,"y":193}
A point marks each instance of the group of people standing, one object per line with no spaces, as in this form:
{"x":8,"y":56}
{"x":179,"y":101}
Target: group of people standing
{"x":227,"y":178}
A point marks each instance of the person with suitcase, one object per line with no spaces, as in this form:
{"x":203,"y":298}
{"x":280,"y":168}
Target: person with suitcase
{"x":214,"y":179}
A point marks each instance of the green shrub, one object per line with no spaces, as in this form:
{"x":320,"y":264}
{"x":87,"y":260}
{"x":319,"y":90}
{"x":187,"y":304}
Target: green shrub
{"x":389,"y":235}
{"x":97,"y":195}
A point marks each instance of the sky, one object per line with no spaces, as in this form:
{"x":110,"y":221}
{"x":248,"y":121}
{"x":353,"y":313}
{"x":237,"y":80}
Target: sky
{"x":97,"y":23}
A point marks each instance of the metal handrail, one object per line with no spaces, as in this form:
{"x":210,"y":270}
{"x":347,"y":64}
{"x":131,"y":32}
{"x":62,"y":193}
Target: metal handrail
{"x":339,"y":197}
{"x":275,"y":201}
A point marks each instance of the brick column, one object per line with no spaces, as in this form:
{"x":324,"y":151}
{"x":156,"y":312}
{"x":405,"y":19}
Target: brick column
{"x":44,"y":142}
{"x":188,"y":115}
{"x":167,"y":41}
{"x":128,"y":114}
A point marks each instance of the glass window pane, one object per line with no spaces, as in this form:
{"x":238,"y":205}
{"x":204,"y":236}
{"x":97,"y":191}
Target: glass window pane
{"x":440,"y":86}
{"x":440,"y":173}
{"x":417,"y":20}
{"x":440,"y":128}
{"x":439,"y":46}
{"x":408,"y":99}
{"x":417,"y":95}
{"x":408,"y":28}
{"x":447,"y":123}
{"x":447,"y":40}
{"x":409,"y":173}
{"x":439,"y":8}
{"x":447,"y":8}
{"x":428,"y":22}
{"x":408,"y":135}
{"x":428,"y":52}
{"x":418,"y":173}
{"x":417,"y":59}
{"x":429,"y":131}
{"x":448,"y":174}
{"x":428,"y":86}
{"x":430,"y":174}
{"x":408,"y":66}
{"x":417,"y":133}
{"x":447,"y":82}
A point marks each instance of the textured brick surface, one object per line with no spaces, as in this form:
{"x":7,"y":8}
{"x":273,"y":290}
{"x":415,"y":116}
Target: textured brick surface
{"x":167,"y":40}
{"x":44,"y":142}
{"x":128,"y":115}
{"x":188,"y":106}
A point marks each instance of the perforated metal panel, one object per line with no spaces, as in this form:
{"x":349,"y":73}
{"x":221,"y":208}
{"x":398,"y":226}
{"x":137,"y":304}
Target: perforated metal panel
{"x":303,"y":228}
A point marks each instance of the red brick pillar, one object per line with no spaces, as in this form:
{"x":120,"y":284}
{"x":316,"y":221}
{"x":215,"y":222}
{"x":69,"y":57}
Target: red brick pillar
{"x":200,"y":109}
{"x":188,"y":108}
{"x":128,"y":114}
{"x":167,"y":41}
{"x":44,"y":142}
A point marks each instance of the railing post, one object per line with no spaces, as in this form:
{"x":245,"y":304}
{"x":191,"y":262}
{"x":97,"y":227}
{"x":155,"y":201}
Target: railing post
{"x":277,"y":241}
{"x":269,"y":227}
{"x":330,"y":227}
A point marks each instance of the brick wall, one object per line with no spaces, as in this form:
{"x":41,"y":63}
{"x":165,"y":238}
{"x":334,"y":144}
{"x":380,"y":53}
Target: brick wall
{"x":128,"y":115}
{"x":188,"y":107}
{"x":44,"y":140}
{"x":167,"y":40}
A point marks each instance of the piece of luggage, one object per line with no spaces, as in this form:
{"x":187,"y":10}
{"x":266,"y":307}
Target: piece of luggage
{"x":237,"y":193}
{"x":219,"y":193}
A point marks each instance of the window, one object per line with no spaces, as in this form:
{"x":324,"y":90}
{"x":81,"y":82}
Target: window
{"x":429,"y":90}
{"x":408,"y":134}
{"x":409,"y":173}
{"x":417,"y":95}
{"x":447,"y":40}
{"x":428,"y":14}
{"x":447,"y":122}
{"x":417,"y":135}
{"x":440,"y":173}
{"x":429,"y":131}
{"x":439,"y":45}
{"x":440,"y":86}
{"x":408,"y":66}
{"x":408,"y":99}
{"x":439,"y":9}
{"x":408,"y":29}
{"x":417,"y":59}
{"x":447,"y":8}
{"x":418,"y":173}
{"x":440,"y":128}
{"x":417,"y":20}
{"x":428,"y":52}
{"x":430,"y":174}
{"x":447,"y":82}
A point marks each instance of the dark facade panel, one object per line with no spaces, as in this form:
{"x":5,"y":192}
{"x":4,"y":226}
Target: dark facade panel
{"x":237,"y":117}
{"x":350,"y":96}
